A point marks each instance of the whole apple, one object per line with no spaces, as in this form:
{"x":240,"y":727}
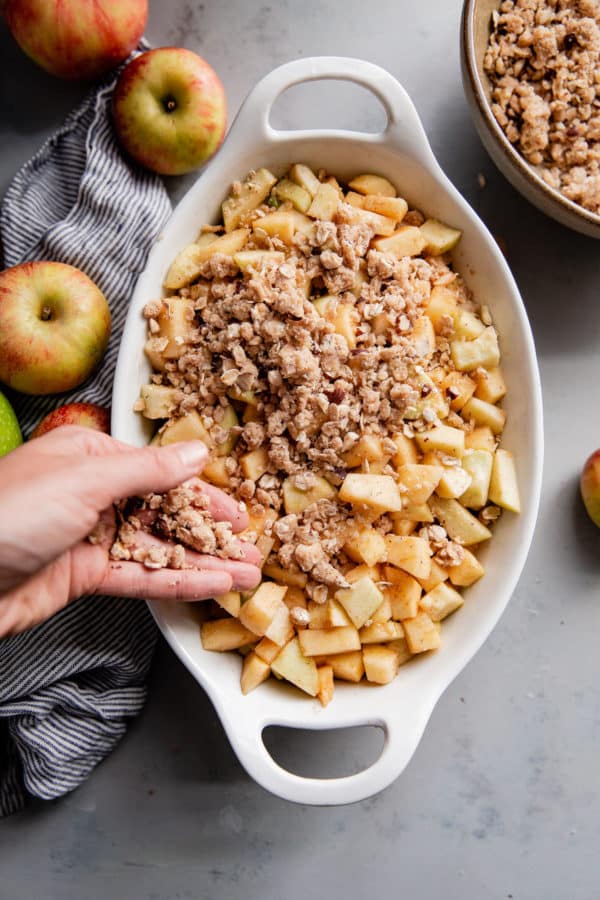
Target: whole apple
{"x":54,"y":327}
{"x":590,"y":487}
{"x":86,"y":415}
{"x":169,"y":110}
{"x":77,"y":38}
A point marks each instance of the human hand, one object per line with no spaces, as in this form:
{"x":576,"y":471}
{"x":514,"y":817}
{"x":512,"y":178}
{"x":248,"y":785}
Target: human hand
{"x":55,"y":490}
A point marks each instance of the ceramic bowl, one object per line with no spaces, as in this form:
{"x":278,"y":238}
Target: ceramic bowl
{"x":475,"y":31}
{"x":402,"y":153}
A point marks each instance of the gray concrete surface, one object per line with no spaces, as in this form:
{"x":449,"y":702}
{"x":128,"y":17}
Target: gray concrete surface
{"x":502,"y":799}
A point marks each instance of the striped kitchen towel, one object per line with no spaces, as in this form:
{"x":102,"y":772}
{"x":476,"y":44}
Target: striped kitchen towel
{"x":69,"y":686}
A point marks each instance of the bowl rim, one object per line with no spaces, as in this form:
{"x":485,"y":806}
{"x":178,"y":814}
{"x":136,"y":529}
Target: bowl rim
{"x":516,"y":159}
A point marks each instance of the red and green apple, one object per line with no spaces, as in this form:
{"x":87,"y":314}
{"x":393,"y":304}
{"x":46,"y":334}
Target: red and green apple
{"x":86,"y":415}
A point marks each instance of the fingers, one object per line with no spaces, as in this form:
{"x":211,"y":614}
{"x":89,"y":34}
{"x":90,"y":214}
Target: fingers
{"x":244,"y":573}
{"x":141,"y":471}
{"x":130,"y":579}
{"x":223,"y":508}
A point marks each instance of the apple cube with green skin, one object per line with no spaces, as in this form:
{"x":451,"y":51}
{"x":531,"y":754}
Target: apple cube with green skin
{"x":188,"y":263}
{"x":169,"y":110}
{"x":504,"y":488}
{"x":253,"y":191}
{"x":54,"y":327}
{"x":379,"y":492}
{"x":482,"y":352}
{"x":460,"y":524}
{"x":305,"y":178}
{"x":298,"y":196}
{"x":440,"y":238}
{"x":292,"y":665}
{"x":360,"y":600}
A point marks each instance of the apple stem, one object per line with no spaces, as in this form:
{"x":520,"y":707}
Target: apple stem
{"x":46,"y":314}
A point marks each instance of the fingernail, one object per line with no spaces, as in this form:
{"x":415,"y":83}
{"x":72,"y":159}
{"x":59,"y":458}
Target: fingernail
{"x":192,"y":453}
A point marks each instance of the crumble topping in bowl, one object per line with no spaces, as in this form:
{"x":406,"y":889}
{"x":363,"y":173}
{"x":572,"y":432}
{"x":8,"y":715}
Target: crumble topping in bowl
{"x":543,"y":61}
{"x":347,"y":384}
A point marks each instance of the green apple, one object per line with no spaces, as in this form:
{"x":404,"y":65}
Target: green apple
{"x":590,"y":487}
{"x":169,"y":110}
{"x":77,"y":38}
{"x":86,"y":415}
{"x":10,"y":433}
{"x":54,"y":327}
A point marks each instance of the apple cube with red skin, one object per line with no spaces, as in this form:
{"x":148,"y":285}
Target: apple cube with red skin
{"x":590,"y":487}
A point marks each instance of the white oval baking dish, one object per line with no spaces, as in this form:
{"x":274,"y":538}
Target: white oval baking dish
{"x":402,"y":153}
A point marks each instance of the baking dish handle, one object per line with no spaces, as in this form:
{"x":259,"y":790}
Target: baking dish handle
{"x":404,"y":129}
{"x":401,"y":738}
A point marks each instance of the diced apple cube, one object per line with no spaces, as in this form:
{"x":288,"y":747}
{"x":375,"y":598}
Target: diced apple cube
{"x":296,"y":500}
{"x":467,"y":572}
{"x":225,"y":634}
{"x":305,"y":177}
{"x":285,"y":576}
{"x":443,"y":437}
{"x":368,"y":447}
{"x":491,"y":385}
{"x":380,"y":492}
{"x":215,"y":471}
{"x":366,"y":545}
{"x":400,"y":646}
{"x":258,"y":612}
{"x":319,"y":615}
{"x":381,"y":663}
{"x":393,"y":207}
{"x":372,"y":184}
{"x":322,"y":642}
{"x":348,"y":666}
{"x":441,"y":601}
{"x":436,"y":575}
{"x":227,"y":422}
{"x":483,"y":413}
{"x":278,"y":224}
{"x":483,"y":351}
{"x":440,"y":238}
{"x":481,"y":438}
{"x":324,"y":203}
{"x":230,"y":602}
{"x":159,"y":400}
{"x":354,"y":199}
{"x":281,"y":630}
{"x":381,"y":225}
{"x":406,"y":241}
{"x":404,"y":527}
{"x":255,"y":463}
{"x":360,"y":601}
{"x":254,"y":671}
{"x":459,"y":388}
{"x":380,"y":632}
{"x":453,"y":483}
{"x":404,"y":593}
{"x":441,"y":306}
{"x":253,"y":191}
{"x":354,"y":575}
{"x":326,"y":686}
{"x":292,"y":665}
{"x":267,"y":650}
{"x":478,"y":463}
{"x":413,"y":513}
{"x":187,"y":265}
{"x":253,"y":259}
{"x":345,"y":322}
{"x":504,"y":489}
{"x":383,"y":613}
{"x":176,"y":322}
{"x":412,"y":554}
{"x":298,"y":196}
{"x":185,"y":428}
{"x":421,"y":633}
{"x":467,"y":326}
{"x":336,"y":614}
{"x":418,"y":482}
{"x":406,"y":452}
{"x":460,"y":524}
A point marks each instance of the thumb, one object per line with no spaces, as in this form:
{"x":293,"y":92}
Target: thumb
{"x":145,"y":470}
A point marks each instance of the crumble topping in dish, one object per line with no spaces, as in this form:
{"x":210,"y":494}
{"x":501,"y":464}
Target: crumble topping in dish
{"x":347,"y":383}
